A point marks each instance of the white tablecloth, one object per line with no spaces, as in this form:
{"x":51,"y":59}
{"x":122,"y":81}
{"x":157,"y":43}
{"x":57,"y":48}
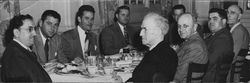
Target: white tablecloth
{"x":79,"y":78}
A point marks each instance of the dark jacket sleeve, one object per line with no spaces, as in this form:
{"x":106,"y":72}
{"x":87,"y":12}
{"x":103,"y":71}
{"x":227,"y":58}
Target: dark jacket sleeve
{"x":107,"y":42}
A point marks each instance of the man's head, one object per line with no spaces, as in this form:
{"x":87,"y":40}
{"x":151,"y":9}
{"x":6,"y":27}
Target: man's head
{"x":50,"y":21}
{"x":178,"y":10}
{"x":217,"y":19}
{"x":85,"y":17}
{"x":122,"y":15}
{"x":234,"y":13}
{"x":22,"y":29}
{"x":153,"y":28}
{"x":186,"y":25}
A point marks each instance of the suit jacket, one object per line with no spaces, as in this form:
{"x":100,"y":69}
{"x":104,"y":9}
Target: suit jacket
{"x":71,"y":47}
{"x":220,"y":56}
{"x":192,"y":50}
{"x":112,"y":39}
{"x":20,"y":65}
{"x":241,"y":39}
{"x":38,"y":47}
{"x":160,"y":60}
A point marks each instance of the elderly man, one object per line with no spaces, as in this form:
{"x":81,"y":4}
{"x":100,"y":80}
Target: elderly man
{"x":192,"y":50}
{"x":47,"y":41}
{"x":80,"y":42}
{"x":19,"y":63}
{"x":240,"y":37}
{"x":220,"y":47}
{"x":160,"y":63}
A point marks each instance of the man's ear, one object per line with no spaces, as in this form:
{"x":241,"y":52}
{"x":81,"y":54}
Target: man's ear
{"x":239,"y":17}
{"x":116,"y":15}
{"x":224,"y":21}
{"x":195,"y":26}
{"x":16,"y":32}
{"x":40,"y":22}
{"x":79,"y":19}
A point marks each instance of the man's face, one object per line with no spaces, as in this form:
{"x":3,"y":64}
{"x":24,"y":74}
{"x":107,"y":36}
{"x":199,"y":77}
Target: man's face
{"x":87,"y":20}
{"x":233,"y":15}
{"x":177,"y":13}
{"x":185,"y":26}
{"x":26,"y":33}
{"x":149,"y":32}
{"x":215,"y":23}
{"x":123,"y":16}
{"x":50,"y":26}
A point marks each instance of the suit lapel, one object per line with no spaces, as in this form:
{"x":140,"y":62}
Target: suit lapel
{"x":118,"y":31}
{"x":76,"y":41}
{"x":39,"y":46}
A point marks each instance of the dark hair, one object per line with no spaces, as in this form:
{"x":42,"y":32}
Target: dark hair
{"x":179,"y":6}
{"x":118,"y":10}
{"x":15,"y":23}
{"x":222,"y":13}
{"x":81,"y":10}
{"x":51,"y":13}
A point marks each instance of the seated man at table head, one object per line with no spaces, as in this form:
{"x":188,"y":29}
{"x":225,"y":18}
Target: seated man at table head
{"x":160,"y":63}
{"x":78,"y":42}
{"x":19,"y":63}
{"x":47,"y":41}
{"x":240,"y":37}
{"x":118,"y":36}
{"x":220,"y":47}
{"x":193,"y":49}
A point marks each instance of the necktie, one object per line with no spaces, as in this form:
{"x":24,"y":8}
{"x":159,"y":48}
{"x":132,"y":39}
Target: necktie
{"x":46,"y":49}
{"x":126,"y":35}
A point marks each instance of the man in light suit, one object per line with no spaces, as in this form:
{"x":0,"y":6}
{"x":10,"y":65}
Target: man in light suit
{"x":47,"y":41}
{"x":159,"y":64}
{"x":79,"y":42}
{"x":118,"y":36}
{"x":240,"y":37}
{"x":193,"y":49}
{"x":220,"y":47}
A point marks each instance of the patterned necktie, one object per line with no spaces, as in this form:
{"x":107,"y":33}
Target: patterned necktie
{"x":46,"y":49}
{"x":126,"y":35}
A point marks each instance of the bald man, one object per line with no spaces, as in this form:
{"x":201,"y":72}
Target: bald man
{"x":193,"y":49}
{"x":240,"y":38}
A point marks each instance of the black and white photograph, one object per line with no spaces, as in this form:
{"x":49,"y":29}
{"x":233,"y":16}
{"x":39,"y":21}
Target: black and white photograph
{"x":125,"y":41}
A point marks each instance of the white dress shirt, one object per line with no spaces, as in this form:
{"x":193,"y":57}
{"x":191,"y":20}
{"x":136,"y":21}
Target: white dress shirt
{"x":82,"y":36}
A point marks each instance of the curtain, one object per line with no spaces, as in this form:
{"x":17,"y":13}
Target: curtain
{"x":217,"y":4}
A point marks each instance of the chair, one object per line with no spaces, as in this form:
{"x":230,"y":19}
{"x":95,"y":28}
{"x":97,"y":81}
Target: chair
{"x":196,"y":68}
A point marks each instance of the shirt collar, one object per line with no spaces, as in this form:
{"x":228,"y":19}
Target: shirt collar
{"x":153,"y":46}
{"x":235,"y":25}
{"x":80,"y":30}
{"x":121,"y":27}
{"x":27,"y":48}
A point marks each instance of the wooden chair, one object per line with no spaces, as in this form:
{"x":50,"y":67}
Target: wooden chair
{"x":196,"y":68}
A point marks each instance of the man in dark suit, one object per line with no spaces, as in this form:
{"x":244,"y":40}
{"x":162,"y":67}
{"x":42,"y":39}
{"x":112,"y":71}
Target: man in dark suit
{"x":118,"y":36}
{"x":160,"y":63}
{"x":79,"y":42}
{"x":220,"y":47}
{"x":47,"y":41}
{"x":240,"y":37}
{"x":19,"y":63}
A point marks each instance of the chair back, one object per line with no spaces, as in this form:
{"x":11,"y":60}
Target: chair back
{"x":196,"y":68}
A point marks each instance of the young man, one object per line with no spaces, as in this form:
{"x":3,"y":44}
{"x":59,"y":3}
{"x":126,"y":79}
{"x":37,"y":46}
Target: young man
{"x":79,"y":42}
{"x":47,"y":41}
{"x":119,"y":35}
{"x":19,"y":63}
